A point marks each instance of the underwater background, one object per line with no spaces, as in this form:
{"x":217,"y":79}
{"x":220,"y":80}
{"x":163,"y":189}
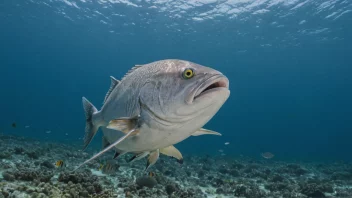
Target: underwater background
{"x":288,"y":62}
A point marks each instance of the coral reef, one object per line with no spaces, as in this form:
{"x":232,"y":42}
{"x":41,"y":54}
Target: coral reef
{"x":31,"y":172}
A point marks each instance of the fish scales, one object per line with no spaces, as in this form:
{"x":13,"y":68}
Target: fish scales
{"x":155,"y":106}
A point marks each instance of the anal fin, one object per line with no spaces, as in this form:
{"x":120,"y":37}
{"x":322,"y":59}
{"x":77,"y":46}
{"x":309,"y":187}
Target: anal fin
{"x":153,"y":157}
{"x":172,"y":152}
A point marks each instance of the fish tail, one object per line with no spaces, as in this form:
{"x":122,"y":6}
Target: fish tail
{"x":91,"y":129}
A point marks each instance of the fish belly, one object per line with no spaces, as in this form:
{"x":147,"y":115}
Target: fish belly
{"x":145,"y":141}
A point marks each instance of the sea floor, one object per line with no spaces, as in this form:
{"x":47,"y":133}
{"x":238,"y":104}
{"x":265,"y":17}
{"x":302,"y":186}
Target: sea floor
{"x":27,"y":170}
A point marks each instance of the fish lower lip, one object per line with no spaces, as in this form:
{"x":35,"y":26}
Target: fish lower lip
{"x":215,"y":82}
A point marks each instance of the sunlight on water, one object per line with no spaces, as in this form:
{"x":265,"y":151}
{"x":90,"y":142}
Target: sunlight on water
{"x":185,"y":15}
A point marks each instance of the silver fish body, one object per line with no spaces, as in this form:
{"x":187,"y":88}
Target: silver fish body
{"x":166,"y":101}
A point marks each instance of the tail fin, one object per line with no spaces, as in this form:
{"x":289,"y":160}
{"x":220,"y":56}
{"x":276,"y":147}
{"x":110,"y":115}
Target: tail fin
{"x":91,"y":129}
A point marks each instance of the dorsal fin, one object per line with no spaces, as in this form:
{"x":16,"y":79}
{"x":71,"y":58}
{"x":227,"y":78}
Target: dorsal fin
{"x":114,"y":83}
{"x":132,"y":70}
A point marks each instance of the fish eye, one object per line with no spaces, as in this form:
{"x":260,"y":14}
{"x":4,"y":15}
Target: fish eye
{"x":188,"y":73}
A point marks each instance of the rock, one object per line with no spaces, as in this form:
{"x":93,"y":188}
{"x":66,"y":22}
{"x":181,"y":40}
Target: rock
{"x":219,"y":191}
{"x":18,"y":150}
{"x":312,"y":190}
{"x":300,"y":171}
{"x":342,"y":175}
{"x":5,"y":155}
{"x":30,"y":190}
{"x":47,"y":164}
{"x":73,"y":192}
{"x":32,"y":154}
{"x":8,"y":176}
{"x":77,"y":177}
{"x":201,"y":173}
{"x":277,"y":178}
{"x":223,"y":170}
{"x":146,"y":181}
{"x":83,"y":193}
{"x":170,"y":189}
{"x":234,"y":173}
{"x":276,"y":186}
{"x":128,"y":194}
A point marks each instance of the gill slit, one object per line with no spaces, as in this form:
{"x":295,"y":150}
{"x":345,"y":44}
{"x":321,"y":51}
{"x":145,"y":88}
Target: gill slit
{"x":160,"y":86}
{"x":155,"y":117}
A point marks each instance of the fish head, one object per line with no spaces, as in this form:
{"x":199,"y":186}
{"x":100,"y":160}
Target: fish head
{"x":184,"y":91}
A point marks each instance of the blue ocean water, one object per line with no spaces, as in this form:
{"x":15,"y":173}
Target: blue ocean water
{"x":289,"y":64}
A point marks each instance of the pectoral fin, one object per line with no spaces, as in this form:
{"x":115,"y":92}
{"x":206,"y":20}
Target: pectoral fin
{"x":153,"y":157}
{"x":132,"y":131}
{"x":205,"y":132}
{"x":124,"y":124}
{"x":172,"y":152}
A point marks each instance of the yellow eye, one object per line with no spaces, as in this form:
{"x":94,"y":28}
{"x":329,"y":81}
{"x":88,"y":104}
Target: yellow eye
{"x":188,"y":73}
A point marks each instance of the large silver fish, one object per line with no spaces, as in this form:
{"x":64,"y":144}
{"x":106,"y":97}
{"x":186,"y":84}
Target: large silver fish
{"x":155,"y":106}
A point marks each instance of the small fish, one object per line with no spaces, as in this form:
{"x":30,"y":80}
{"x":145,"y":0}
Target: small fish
{"x":220,"y":150}
{"x":267,"y":155}
{"x":47,"y":132}
{"x":151,"y":174}
{"x":109,"y":167}
{"x":227,"y":143}
{"x":66,"y":134}
{"x":14,"y":125}
{"x":101,"y":167}
{"x":26,"y":127}
{"x":59,"y":163}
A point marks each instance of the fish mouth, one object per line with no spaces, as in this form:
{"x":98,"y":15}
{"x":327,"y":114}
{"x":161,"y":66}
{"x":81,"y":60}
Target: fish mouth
{"x":215,"y":83}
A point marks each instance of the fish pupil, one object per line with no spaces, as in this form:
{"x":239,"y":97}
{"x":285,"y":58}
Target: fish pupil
{"x":188,"y":73}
